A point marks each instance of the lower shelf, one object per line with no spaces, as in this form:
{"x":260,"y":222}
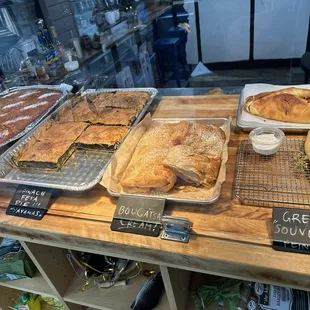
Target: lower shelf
{"x":109,"y":299}
{"x":36,"y":285}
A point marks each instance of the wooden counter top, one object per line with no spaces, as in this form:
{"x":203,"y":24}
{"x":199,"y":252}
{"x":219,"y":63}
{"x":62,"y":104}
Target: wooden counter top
{"x":228,"y":238}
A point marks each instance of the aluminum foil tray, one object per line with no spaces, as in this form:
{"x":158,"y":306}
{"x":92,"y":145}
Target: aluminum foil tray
{"x":212,"y":121}
{"x":83,"y":170}
{"x":65,"y":88}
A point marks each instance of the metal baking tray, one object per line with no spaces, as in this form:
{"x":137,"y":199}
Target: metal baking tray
{"x":212,"y":121}
{"x":83,"y":170}
{"x":287,"y":127}
{"x":65,"y":88}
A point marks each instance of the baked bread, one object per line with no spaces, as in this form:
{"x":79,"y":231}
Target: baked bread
{"x":287,"y":105}
{"x":194,"y":168}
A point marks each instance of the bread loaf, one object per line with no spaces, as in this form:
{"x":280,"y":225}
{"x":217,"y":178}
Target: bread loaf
{"x":287,"y":105}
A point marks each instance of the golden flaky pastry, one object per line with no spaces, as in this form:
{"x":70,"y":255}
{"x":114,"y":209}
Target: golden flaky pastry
{"x":165,"y":151}
{"x":287,"y":105}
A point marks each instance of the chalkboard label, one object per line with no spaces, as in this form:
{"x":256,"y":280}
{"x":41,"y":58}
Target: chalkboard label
{"x":291,"y":226}
{"x":291,"y":247}
{"x":31,"y":213}
{"x":30,"y":202}
{"x":134,"y":227}
{"x":140,"y":209}
{"x":138,"y":215}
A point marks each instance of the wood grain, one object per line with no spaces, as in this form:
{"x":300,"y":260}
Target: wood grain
{"x":228,"y":238}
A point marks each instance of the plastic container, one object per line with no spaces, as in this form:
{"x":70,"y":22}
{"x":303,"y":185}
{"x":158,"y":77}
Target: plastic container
{"x":266,"y":141}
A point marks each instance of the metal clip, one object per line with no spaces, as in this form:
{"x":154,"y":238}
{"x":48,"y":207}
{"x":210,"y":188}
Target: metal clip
{"x":176,"y":228}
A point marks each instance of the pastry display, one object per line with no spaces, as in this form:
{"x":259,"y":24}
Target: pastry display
{"x":189,"y":151}
{"x":19,"y":108}
{"x":80,"y":125}
{"x":53,"y":147}
{"x":101,"y":137}
{"x":287,"y":105}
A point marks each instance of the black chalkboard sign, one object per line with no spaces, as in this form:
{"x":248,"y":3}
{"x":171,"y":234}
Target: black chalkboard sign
{"x":138,"y":215}
{"x":31,"y":213}
{"x":30,"y":202}
{"x":291,"y":247}
{"x":291,"y":227}
{"x":134,"y":227}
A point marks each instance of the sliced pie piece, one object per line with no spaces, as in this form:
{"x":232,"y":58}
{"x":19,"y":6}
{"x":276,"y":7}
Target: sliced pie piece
{"x":53,"y":147}
{"x":46,"y":155}
{"x":67,"y":131}
{"x":122,"y":117}
{"x":101,"y":137}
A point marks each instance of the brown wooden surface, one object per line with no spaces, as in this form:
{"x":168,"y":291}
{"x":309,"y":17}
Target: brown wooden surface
{"x":228,"y":238}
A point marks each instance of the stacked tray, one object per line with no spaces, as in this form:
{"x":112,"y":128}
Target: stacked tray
{"x":62,"y":87}
{"x":83,"y":169}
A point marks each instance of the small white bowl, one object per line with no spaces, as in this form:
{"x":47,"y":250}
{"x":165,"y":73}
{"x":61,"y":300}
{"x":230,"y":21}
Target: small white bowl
{"x":266,"y":141}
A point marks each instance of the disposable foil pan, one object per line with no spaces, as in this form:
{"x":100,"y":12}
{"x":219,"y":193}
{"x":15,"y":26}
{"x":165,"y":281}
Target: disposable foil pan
{"x":65,"y":88}
{"x":211,"y":121}
{"x":83,"y":170}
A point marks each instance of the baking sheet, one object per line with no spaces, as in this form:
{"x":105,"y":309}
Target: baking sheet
{"x":121,"y":159}
{"x":65,"y":88}
{"x":83,"y":170}
{"x":249,"y":121}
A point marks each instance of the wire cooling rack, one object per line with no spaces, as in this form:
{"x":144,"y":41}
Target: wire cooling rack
{"x":282,"y":179}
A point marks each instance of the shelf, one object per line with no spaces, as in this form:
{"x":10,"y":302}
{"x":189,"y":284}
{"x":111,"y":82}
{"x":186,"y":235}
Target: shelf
{"x":108,"y":299}
{"x":36,"y":285}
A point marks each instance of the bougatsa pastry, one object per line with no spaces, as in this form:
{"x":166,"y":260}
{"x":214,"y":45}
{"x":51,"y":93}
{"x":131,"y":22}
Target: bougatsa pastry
{"x":288,"y":105}
{"x":166,"y":135}
{"x":101,"y":137}
{"x":192,"y":167}
{"x":190,"y":151}
{"x":146,"y":171}
{"x":204,"y":138}
{"x":51,"y":149}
